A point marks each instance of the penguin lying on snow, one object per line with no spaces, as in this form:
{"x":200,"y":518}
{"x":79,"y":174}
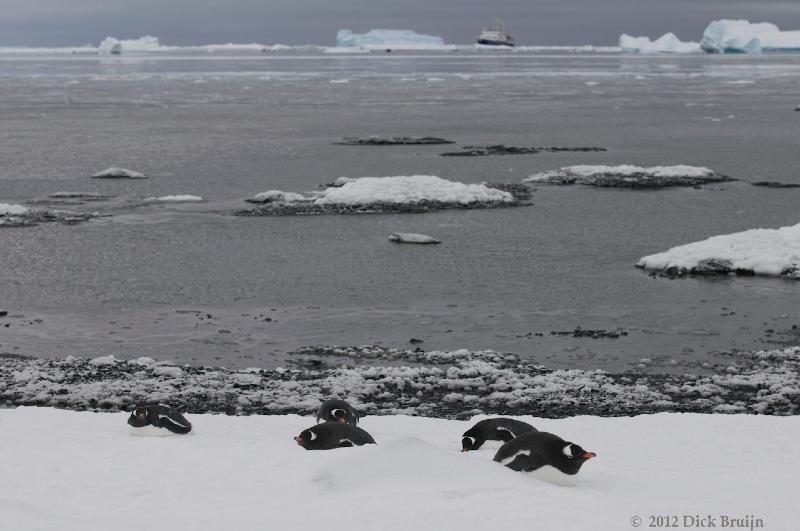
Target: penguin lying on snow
{"x":330,"y":435}
{"x":336,"y":410}
{"x":158,"y":420}
{"x":545,"y":456}
{"x":497,"y":429}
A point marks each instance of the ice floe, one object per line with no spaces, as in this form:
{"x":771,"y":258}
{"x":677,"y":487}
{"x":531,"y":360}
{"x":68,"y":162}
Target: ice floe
{"x":185,"y":198}
{"x":772,"y":252}
{"x":9,"y":209}
{"x":118,"y":173}
{"x":629,"y":176}
{"x":405,"y":193}
{"x":667,"y":43}
{"x":386,"y":38}
{"x":111,"y":45}
{"x":743,"y":36}
{"x":411,"y":237}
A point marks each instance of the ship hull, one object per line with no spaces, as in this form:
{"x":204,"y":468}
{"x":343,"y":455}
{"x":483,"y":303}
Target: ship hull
{"x":492,"y":42}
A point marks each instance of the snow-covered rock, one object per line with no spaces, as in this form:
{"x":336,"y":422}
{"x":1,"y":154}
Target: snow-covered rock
{"x":383,"y":38}
{"x":667,"y":43}
{"x":110,"y":45}
{"x":773,"y":252}
{"x":411,"y":237}
{"x":118,"y":173}
{"x":743,"y":36}
{"x":247,"y":474}
{"x":278,"y":196}
{"x":8,"y":209}
{"x":629,"y":176}
{"x":184,"y":198}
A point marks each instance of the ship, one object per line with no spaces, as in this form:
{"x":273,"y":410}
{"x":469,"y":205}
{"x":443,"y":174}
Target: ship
{"x":495,"y":36}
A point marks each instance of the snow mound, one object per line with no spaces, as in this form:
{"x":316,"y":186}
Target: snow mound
{"x":414,"y":478}
{"x":629,"y":176}
{"x":7,"y":209}
{"x":772,"y":252}
{"x":118,"y":173}
{"x":743,"y":36}
{"x":383,"y":38}
{"x":110,"y":45}
{"x":667,"y":43}
{"x":410,"y":189}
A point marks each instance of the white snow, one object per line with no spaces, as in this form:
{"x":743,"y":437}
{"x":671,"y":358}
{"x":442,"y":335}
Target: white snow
{"x":743,"y":36}
{"x":8,"y":209}
{"x":386,"y":38}
{"x":588,"y":171}
{"x":410,"y":189}
{"x":762,"y":251}
{"x":110,"y":45}
{"x":667,"y":43}
{"x":118,"y":173}
{"x":277,"y":196}
{"x":184,"y":198}
{"x":84,"y":472}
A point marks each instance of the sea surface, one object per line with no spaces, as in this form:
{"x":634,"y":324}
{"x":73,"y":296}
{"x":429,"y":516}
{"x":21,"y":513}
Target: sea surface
{"x":192,"y":283}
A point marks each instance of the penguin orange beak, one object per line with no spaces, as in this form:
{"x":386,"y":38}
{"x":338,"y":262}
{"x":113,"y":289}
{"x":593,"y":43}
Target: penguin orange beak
{"x":298,"y":440}
{"x":464,"y":450}
{"x":589,"y":455}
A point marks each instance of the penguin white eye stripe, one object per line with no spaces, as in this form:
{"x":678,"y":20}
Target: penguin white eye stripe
{"x":337,"y":412}
{"x":313,"y":435}
{"x":567,"y":450}
{"x":471,"y":439}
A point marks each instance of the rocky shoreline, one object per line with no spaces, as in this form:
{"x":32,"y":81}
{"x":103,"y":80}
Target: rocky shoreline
{"x":381,"y":381}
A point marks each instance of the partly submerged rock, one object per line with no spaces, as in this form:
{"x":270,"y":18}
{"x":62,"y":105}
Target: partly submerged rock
{"x":499,"y":149}
{"x":71,"y":198}
{"x":31,"y":217}
{"x":410,"y":237}
{"x":392,"y":141}
{"x":627,"y":176}
{"x":775,"y":184}
{"x":118,"y":173}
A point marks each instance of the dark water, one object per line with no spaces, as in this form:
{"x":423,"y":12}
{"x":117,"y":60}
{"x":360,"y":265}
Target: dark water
{"x":226,"y":128}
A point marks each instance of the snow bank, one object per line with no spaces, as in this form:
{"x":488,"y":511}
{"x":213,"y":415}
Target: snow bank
{"x":743,"y":36}
{"x":773,"y":252}
{"x":246,"y":473}
{"x":382,"y":38}
{"x":629,"y":176}
{"x":667,"y":43}
{"x":7,"y":209}
{"x":110,"y":45}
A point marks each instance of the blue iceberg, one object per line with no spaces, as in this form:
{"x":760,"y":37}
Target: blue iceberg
{"x":743,"y":36}
{"x":383,"y":38}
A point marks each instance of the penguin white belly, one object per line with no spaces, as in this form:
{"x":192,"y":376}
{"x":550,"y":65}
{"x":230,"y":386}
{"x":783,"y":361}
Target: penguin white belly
{"x":491,"y":445}
{"x":150,"y":431}
{"x":551,"y":474}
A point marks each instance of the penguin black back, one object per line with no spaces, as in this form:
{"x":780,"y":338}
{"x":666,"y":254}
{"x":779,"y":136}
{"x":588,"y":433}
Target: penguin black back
{"x":159,"y":416}
{"x":533,"y":450}
{"x":336,"y":410}
{"x":330,"y":435}
{"x":496,"y":429}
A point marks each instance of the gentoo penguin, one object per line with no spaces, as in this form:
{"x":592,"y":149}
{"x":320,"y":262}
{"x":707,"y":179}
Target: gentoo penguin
{"x":336,"y":410}
{"x":330,"y":435}
{"x":497,"y":429}
{"x":158,"y":420}
{"x":545,"y":456}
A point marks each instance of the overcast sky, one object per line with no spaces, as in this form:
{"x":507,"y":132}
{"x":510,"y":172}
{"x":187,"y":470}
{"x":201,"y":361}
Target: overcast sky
{"x":184,"y":22}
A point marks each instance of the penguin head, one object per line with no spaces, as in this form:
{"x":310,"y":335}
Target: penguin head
{"x":572,"y":458}
{"x":139,"y":418}
{"x":308,"y":439}
{"x":339,"y":415}
{"x":471,"y":440}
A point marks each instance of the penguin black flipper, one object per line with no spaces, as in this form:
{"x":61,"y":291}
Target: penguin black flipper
{"x":504,"y":434}
{"x":176,"y":423}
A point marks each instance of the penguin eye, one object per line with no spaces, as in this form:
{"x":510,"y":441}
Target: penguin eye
{"x":567,"y":450}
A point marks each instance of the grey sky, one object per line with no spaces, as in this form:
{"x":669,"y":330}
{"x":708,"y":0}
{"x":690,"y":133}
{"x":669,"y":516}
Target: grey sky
{"x":184,"y":22}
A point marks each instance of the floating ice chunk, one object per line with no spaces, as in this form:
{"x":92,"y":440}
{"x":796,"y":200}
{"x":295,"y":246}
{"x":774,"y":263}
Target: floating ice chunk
{"x":667,"y":43}
{"x":382,"y":38}
{"x":773,"y":252}
{"x":410,"y":237}
{"x":743,"y":36}
{"x":119,"y":173}
{"x":176,"y":198}
{"x":278,"y":196}
{"x":411,"y":189}
{"x":8,"y":209}
{"x":112,"y":46}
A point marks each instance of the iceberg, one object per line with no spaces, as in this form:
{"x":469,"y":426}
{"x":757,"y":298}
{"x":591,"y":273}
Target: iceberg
{"x":112,"y":46}
{"x":382,"y":38}
{"x":743,"y":36}
{"x":667,"y":43}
